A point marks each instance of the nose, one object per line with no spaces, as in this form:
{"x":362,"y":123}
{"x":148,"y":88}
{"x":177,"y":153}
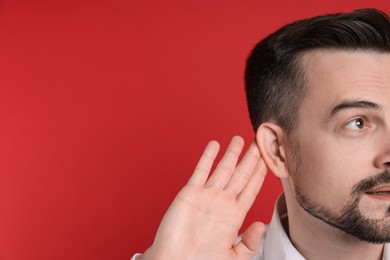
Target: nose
{"x":382,"y":160}
{"x":382,"y":164}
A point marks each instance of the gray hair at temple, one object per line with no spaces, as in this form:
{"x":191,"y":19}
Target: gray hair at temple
{"x":274,"y":77}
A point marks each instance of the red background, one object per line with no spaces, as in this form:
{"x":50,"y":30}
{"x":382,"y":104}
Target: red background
{"x":105,"y":107}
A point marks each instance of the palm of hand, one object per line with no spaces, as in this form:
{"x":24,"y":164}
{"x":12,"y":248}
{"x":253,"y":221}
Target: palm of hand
{"x":205,"y":217}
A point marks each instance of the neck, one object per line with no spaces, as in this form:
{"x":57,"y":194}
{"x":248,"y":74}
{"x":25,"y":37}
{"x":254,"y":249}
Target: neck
{"x":315,"y":239}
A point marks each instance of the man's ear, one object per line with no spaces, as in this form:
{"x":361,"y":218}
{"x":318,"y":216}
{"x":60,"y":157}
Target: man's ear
{"x":272,"y":142}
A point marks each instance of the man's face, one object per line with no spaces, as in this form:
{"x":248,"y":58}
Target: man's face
{"x":343,"y":140}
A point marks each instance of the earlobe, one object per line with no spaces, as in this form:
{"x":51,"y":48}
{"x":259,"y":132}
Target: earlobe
{"x":272,"y":144}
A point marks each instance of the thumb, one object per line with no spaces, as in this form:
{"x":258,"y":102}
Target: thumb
{"x":250,"y":242}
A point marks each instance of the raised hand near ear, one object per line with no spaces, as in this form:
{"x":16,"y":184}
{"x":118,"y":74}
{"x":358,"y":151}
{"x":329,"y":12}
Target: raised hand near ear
{"x":206,"y":215}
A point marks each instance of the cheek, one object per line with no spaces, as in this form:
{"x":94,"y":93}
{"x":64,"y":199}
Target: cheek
{"x":326,"y":172}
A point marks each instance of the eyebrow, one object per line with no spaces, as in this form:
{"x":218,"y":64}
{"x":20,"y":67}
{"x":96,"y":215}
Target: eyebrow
{"x":351,"y":104}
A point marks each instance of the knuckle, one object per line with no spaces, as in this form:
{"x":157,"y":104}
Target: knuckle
{"x":252,"y":190}
{"x":245,"y":174}
{"x":216,"y":187}
{"x":233,"y":153}
{"x":230,"y":194}
{"x":208,"y":156}
{"x":224,"y":168}
{"x":201,"y":169}
{"x":254,"y":153}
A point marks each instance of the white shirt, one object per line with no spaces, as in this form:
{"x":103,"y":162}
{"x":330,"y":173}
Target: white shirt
{"x":275,"y":243}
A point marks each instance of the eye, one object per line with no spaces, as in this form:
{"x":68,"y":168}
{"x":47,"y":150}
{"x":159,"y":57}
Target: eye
{"x":357,"y":124}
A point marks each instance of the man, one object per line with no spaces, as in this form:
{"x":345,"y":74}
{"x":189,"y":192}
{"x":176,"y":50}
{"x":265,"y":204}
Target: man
{"x":318,"y":93}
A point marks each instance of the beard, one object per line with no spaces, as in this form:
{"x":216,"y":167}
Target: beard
{"x":350,"y":220}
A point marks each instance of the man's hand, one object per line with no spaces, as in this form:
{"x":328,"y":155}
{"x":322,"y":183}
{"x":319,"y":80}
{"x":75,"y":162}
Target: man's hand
{"x":205,"y":217}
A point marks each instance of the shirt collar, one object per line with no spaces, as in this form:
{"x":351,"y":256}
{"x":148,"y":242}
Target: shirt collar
{"x":277,"y":245}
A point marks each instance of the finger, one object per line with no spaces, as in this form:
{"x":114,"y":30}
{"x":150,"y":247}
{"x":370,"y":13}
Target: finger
{"x":204,"y":165}
{"x":250,"y":242}
{"x":252,"y":188}
{"x":244,"y":170}
{"x":228,"y":163}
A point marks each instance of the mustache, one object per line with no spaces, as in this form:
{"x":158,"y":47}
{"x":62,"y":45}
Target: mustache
{"x":372,"y":182}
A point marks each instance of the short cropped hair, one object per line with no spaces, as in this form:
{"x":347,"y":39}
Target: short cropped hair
{"x":274,"y":77}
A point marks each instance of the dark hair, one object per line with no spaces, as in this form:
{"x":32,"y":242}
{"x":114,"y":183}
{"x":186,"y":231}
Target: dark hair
{"x":274,"y":79}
